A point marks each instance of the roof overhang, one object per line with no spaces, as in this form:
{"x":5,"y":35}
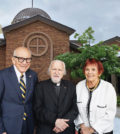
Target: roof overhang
{"x":50,"y":22}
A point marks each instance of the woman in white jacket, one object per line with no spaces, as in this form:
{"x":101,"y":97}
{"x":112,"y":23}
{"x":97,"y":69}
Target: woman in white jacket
{"x":96,"y":101}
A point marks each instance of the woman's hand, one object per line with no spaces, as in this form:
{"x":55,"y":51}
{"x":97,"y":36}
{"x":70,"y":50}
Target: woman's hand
{"x":91,"y":130}
{"x":86,"y":130}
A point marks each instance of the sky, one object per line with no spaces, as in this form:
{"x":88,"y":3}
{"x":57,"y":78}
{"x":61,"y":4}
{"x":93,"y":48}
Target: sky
{"x":102,"y":15}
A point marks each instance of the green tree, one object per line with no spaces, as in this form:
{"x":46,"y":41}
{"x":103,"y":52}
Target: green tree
{"x":105,"y":53}
{"x":87,"y":37}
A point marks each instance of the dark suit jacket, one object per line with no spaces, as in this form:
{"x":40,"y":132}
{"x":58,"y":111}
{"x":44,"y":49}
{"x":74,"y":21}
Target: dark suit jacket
{"x":11,"y":104}
{"x":48,"y":108}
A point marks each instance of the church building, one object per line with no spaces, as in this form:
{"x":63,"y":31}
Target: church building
{"x":34,"y":29}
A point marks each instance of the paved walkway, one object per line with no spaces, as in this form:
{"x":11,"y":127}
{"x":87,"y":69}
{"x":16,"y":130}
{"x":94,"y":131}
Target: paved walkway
{"x":118,"y":112}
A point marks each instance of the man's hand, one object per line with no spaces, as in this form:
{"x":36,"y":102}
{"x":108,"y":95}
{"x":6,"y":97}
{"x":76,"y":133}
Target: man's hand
{"x":61,"y":124}
{"x":4,"y":133}
{"x":56,"y":130}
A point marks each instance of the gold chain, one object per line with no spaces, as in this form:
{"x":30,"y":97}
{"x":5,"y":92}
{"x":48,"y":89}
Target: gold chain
{"x":94,"y":86}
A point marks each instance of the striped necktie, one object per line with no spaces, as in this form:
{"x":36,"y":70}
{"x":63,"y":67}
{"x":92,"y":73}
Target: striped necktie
{"x":23,"y":92}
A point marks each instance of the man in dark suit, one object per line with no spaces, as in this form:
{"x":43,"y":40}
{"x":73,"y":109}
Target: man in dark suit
{"x":55,"y":102}
{"x":16,"y":91}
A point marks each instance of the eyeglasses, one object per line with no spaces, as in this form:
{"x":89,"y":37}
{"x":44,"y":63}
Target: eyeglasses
{"x":21,"y":59}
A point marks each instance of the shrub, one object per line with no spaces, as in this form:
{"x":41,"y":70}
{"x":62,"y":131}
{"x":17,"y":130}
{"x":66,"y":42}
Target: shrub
{"x":118,"y":101}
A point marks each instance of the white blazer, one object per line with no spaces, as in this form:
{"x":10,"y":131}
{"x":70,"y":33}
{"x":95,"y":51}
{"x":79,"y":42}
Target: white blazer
{"x":102,"y":106}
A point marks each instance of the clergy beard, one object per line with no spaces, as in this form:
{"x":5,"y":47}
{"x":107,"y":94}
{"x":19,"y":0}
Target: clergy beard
{"x":56,"y":80}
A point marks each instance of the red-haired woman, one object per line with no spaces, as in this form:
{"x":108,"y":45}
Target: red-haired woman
{"x":96,"y":101}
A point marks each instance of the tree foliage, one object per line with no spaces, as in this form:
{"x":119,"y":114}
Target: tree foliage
{"x":87,"y":37}
{"x":105,"y":53}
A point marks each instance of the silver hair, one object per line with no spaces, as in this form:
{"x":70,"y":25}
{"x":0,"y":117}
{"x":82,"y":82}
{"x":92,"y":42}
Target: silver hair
{"x":14,"y":52}
{"x":57,"y":61}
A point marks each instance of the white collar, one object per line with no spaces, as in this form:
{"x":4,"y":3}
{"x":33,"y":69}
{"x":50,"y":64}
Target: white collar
{"x":19,"y":74}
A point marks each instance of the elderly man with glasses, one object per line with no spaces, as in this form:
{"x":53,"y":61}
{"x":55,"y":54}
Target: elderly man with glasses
{"x":16,"y":91}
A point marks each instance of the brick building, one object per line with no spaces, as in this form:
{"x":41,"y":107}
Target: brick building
{"x":33,"y":28}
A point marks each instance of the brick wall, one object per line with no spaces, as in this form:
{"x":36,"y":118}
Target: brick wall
{"x":58,"y":41}
{"x":113,"y":42}
{"x":2,"y":57}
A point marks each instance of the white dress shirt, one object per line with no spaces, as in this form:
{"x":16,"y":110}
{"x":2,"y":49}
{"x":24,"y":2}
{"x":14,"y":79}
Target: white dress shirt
{"x":18,"y":74}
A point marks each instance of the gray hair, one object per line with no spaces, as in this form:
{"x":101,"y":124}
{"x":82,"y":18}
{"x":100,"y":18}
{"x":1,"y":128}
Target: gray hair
{"x":57,"y":61}
{"x":15,"y":51}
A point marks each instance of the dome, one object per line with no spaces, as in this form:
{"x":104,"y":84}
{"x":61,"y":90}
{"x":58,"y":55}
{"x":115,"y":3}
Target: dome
{"x":28,"y":13}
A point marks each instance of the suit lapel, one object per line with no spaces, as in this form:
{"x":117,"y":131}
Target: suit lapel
{"x":51,"y":91}
{"x":63,"y":91}
{"x":28,"y":84}
{"x":14,"y":81}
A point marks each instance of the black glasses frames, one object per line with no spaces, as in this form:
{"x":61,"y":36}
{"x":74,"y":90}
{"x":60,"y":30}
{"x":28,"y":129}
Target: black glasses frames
{"x":21,"y":59}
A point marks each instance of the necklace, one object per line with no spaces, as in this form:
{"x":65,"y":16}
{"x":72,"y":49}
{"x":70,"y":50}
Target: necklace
{"x":91,"y":89}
